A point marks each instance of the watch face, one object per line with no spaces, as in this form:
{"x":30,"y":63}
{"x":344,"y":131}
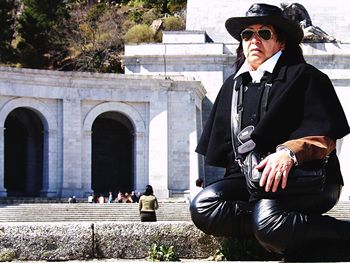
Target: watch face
{"x":292,"y":156}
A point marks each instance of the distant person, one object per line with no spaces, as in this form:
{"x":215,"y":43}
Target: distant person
{"x":127,"y":198}
{"x":135,"y":198}
{"x":120,"y":197}
{"x":101,"y":199}
{"x":90,"y":198}
{"x":148,"y":204}
{"x":72,"y":199}
{"x":110,"y":197}
{"x":194,"y":191}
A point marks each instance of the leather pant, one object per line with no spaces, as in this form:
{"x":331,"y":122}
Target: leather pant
{"x":295,"y":225}
{"x":284,"y":226}
{"x":222,"y":208}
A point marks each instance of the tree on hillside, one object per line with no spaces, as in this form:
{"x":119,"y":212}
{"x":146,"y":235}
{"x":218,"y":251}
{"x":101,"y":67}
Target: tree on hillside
{"x":95,"y":36}
{"x":7,"y":25}
{"x":166,"y":6}
{"x":42,"y":43}
{"x":85,"y":35}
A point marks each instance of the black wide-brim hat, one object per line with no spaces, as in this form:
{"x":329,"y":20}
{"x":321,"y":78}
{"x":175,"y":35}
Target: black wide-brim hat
{"x":266,"y":15}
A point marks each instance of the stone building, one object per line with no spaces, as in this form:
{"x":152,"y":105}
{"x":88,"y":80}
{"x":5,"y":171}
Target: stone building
{"x":65,"y":133}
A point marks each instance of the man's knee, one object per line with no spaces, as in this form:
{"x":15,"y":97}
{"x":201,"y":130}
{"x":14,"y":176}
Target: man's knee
{"x":215,"y":215}
{"x":269,"y":228}
{"x":203,"y":210}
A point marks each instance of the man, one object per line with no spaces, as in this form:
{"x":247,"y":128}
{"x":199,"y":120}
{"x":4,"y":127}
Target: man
{"x":290,"y":112}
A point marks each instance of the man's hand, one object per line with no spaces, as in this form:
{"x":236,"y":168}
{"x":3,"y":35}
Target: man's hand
{"x":275,"y":168}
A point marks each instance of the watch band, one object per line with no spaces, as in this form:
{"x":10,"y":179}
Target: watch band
{"x":291,"y":154}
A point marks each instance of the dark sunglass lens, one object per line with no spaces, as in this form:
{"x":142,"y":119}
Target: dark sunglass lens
{"x":265,"y":34}
{"x":247,"y":34}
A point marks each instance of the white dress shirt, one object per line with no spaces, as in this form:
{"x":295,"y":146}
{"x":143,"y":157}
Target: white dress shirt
{"x":257,"y":74}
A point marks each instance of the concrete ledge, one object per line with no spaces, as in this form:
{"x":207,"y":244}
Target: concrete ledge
{"x":46,"y":241}
{"x":77,"y":241}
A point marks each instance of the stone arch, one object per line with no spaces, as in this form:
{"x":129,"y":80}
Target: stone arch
{"x":129,"y":111}
{"x":140,"y":142}
{"x":36,"y":105}
{"x":49,"y":145}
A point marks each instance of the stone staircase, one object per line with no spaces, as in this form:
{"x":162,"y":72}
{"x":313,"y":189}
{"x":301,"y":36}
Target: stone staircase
{"x":64,"y":212}
{"x":84,"y":212}
{"x":341,"y":210}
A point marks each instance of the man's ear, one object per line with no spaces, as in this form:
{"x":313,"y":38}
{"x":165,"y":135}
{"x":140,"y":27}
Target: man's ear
{"x":283,"y":45}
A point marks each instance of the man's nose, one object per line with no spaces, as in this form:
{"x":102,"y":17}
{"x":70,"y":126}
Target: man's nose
{"x":255,"y":38}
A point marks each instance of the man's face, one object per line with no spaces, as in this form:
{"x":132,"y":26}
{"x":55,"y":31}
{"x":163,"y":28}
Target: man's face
{"x":256,"y":49}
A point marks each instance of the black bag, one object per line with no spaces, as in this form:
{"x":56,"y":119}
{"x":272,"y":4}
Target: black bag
{"x":308,"y":178}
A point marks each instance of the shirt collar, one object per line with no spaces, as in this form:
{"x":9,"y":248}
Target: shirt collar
{"x":257,"y":74}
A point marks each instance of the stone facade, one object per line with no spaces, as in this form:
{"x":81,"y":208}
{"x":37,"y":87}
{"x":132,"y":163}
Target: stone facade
{"x":164,"y":114}
{"x":206,"y":52}
{"x":330,"y":16}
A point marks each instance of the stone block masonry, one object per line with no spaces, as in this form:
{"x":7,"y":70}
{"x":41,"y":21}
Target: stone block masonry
{"x":157,"y":113}
{"x":79,"y":241}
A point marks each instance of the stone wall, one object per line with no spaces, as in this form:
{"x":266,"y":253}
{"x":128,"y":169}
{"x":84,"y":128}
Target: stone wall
{"x":74,"y":241}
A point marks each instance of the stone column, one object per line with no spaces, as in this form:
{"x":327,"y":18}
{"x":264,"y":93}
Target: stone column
{"x":50,"y":180}
{"x":183,"y":161}
{"x":158,"y":145}
{"x":72,"y":172}
{"x":86,"y":167}
{"x":3,"y":192}
{"x":141,"y":160}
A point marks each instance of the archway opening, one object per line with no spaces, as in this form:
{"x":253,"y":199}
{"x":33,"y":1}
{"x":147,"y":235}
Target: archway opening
{"x":23,"y":153}
{"x":112,"y":154}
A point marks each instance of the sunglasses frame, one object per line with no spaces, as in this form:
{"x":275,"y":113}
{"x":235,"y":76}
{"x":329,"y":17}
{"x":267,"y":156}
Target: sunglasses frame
{"x":256,"y":31}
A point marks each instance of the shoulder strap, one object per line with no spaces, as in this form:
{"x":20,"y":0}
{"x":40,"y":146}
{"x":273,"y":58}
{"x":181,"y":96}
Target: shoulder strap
{"x":264,"y":99}
{"x":237,"y":111}
{"x":267,"y":80}
{"x":236,"y":115}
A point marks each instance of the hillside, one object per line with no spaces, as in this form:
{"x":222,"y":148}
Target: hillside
{"x":82,"y":35}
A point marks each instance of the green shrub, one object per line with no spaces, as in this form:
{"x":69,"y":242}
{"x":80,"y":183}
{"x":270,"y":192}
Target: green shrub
{"x":149,"y":16}
{"x":176,"y":6}
{"x":162,"y":253}
{"x":127,"y":25}
{"x":218,"y":256}
{"x":139,"y":34}
{"x":7,"y":255}
{"x":136,"y":15}
{"x":173,"y":23}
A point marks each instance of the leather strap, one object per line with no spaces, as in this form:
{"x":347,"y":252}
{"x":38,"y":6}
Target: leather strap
{"x":237,"y":110}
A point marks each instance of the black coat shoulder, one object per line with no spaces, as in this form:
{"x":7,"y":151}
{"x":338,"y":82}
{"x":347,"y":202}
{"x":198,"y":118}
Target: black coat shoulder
{"x":302,"y":102}
{"x":215,"y":141}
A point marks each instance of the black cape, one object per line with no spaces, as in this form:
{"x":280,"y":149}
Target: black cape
{"x":302,"y":102}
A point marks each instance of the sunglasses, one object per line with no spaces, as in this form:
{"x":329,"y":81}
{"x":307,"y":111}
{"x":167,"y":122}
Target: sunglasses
{"x":265,"y":34}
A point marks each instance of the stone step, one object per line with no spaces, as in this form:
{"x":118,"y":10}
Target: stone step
{"x":53,"y":212}
{"x":56,"y":212}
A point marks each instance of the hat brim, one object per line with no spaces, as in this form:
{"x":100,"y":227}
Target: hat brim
{"x":235,"y":25}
